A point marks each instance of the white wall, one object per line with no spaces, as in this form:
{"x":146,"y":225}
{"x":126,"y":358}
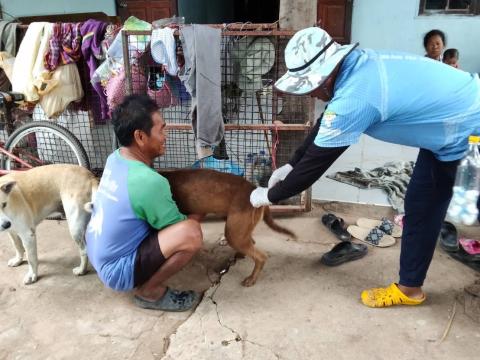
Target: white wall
{"x":393,"y":24}
{"x":19,"y":8}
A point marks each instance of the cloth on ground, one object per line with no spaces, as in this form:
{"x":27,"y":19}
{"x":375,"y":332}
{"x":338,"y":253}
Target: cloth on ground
{"x":93,"y":32}
{"x":202,"y":78}
{"x":8,"y":37}
{"x":393,"y":178}
{"x":65,"y":45}
{"x":22,"y":78}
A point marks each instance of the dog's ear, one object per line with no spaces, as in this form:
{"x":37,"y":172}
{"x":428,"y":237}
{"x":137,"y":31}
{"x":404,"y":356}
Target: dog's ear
{"x":8,"y":186}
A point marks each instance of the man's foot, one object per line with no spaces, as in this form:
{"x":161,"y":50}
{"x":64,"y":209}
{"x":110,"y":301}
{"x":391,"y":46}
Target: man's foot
{"x":389,"y":296}
{"x":172,"y":300}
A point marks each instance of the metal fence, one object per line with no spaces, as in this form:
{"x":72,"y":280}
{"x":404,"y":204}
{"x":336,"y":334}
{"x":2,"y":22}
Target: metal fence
{"x":262,"y":127}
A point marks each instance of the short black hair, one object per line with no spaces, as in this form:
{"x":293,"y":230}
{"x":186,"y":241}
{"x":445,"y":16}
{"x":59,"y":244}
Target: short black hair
{"x":451,"y":53}
{"x":433,"y":33}
{"x":134,"y":113}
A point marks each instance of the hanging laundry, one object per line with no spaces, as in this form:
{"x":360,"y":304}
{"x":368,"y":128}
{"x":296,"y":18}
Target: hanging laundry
{"x":65,"y":45}
{"x":164,"y":49}
{"x":42,"y":76}
{"x":8,"y":37}
{"x":22,"y":78}
{"x":93,"y":32}
{"x":202,"y":78}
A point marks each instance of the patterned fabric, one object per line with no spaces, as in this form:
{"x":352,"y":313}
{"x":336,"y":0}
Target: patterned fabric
{"x":386,"y":226}
{"x":65,"y":45}
{"x":311,"y":55}
{"x":375,"y":235}
{"x":392,"y":177}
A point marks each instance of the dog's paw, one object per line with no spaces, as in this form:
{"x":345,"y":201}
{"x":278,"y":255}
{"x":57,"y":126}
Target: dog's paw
{"x":30,"y":278}
{"x":79,"y":271}
{"x":15,"y":261}
{"x":249,"y":281}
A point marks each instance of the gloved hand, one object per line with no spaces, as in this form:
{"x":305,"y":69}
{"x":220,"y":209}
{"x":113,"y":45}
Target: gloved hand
{"x":279,"y":174}
{"x":259,"y":197}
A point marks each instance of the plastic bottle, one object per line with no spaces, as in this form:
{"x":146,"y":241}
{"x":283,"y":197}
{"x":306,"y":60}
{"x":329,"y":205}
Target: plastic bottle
{"x":463,"y":206}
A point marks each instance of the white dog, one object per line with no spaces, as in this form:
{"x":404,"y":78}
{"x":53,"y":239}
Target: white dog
{"x":28,"y":197}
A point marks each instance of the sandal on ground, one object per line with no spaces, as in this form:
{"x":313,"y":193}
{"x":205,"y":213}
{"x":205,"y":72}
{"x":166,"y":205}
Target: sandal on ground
{"x":448,"y":238}
{"x":336,"y":226}
{"x":343,"y":252}
{"x":375,"y":236}
{"x":172,"y":300}
{"x":387,"y":226}
{"x":389,"y":296}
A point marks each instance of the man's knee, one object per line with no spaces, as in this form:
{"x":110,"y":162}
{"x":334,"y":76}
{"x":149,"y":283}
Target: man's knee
{"x":195,"y":235}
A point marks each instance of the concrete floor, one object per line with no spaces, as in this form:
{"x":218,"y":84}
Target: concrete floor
{"x":299,"y":309}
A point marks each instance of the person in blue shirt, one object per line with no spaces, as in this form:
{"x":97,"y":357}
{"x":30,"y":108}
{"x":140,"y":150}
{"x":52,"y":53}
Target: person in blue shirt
{"x":137,"y":238}
{"x":392,"y":96}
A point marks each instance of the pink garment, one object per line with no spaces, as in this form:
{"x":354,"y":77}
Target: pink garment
{"x":471,"y":246}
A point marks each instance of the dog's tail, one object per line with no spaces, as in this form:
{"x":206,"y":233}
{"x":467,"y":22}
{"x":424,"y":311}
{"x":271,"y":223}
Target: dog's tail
{"x":267,"y":218}
{"x":88,"y":206}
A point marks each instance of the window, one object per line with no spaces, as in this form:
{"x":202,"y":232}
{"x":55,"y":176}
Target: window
{"x":466,"y":7}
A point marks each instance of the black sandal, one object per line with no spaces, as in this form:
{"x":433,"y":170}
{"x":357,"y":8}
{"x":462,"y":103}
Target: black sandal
{"x":336,"y":226}
{"x":343,"y":252}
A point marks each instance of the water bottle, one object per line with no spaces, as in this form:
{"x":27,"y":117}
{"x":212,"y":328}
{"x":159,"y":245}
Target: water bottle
{"x":463,"y":206}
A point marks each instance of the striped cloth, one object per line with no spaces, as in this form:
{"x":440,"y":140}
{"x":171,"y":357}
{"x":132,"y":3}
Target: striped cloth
{"x":65,"y":45}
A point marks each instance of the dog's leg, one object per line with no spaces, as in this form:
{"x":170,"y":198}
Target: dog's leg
{"x":29,"y":241}
{"x":238,"y":231}
{"x":77,"y":220}
{"x":19,"y":250}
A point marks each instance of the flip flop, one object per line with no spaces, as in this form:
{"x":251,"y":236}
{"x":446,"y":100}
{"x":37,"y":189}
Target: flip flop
{"x":471,"y":246}
{"x":387,"y":226}
{"x":343,"y":252}
{"x":374,"y":236}
{"x":472,"y":261}
{"x":336,"y":225}
{"x":448,"y":238}
{"x":172,"y":300}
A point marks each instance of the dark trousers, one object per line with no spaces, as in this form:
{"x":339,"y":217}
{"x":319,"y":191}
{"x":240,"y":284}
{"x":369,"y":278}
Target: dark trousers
{"x":426,"y":202}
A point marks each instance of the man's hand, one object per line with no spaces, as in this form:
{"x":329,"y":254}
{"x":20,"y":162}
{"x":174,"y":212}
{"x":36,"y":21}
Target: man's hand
{"x":279,"y":174}
{"x":259,"y":197}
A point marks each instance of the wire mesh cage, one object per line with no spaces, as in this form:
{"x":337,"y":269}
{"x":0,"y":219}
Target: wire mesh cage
{"x":262,"y":127}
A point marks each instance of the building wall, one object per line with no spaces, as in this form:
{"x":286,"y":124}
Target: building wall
{"x":19,"y":8}
{"x":393,"y":24}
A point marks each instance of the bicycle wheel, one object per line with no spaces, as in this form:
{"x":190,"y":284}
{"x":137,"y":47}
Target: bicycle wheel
{"x":41,"y":143}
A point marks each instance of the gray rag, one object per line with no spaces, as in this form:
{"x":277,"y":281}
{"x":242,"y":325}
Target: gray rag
{"x":393,"y":178}
{"x":8,"y":37}
{"x":202,"y":78}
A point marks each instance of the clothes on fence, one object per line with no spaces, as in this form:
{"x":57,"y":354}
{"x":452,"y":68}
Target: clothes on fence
{"x":8,"y":37}
{"x":393,"y":178}
{"x":93,"y":32}
{"x":202,"y":78}
{"x":68,"y":89}
{"x":65,"y":45}
{"x":22,"y":75}
{"x":40,"y":74}
{"x":164,"y":49}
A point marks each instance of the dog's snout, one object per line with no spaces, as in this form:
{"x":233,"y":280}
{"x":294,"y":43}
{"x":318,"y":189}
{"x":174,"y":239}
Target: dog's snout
{"x":6,"y":225}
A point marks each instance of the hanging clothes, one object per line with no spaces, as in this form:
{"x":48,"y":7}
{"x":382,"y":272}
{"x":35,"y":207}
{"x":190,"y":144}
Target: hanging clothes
{"x":65,"y":45}
{"x":8,"y":37}
{"x":22,"y":77}
{"x":202,"y":78}
{"x":93,"y":32}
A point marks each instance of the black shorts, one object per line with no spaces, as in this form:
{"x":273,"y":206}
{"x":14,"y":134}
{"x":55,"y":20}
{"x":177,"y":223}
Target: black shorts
{"x":148,"y":260}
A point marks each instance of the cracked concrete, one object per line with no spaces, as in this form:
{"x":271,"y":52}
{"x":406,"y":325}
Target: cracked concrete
{"x":299,"y":308}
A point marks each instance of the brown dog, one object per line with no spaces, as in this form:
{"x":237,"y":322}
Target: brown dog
{"x":203,"y":191}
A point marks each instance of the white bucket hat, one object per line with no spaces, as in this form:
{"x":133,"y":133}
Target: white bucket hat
{"x":311,"y":55}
